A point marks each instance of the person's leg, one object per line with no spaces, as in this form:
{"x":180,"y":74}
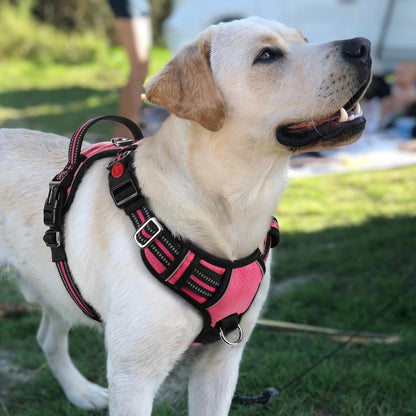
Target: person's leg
{"x":135,"y":35}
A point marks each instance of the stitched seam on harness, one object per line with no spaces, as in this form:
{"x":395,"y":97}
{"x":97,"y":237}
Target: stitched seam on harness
{"x":145,"y":211}
{"x":204,"y":277}
{"x":198,"y":289}
{"x":160,"y":255}
{"x":135,"y":220}
{"x":169,"y":245}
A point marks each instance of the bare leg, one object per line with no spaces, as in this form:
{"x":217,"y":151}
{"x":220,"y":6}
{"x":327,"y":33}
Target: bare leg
{"x":135,"y":35}
{"x":53,"y":338}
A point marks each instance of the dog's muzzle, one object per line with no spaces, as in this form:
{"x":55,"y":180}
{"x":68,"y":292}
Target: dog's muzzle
{"x":348,"y":121}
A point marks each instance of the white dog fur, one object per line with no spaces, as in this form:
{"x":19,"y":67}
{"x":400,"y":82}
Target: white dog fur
{"x":213,"y":174}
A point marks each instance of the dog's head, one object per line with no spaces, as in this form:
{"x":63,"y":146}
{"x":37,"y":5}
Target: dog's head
{"x":264,"y":78}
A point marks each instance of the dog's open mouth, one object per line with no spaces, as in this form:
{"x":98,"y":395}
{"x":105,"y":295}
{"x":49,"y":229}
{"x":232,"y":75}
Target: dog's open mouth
{"x":346,"y":123}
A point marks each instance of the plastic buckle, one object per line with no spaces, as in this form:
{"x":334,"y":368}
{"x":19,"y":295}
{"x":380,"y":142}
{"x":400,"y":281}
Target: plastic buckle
{"x":138,"y":234}
{"x":124,"y":193}
{"x":52,"y":211}
{"x":121,"y":141}
{"x":120,"y":157}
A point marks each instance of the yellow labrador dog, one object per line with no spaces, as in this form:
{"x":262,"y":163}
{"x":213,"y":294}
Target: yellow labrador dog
{"x":244,"y":97}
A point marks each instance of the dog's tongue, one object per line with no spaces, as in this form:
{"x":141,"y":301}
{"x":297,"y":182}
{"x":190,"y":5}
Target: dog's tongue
{"x":341,"y":116}
{"x":311,"y":124}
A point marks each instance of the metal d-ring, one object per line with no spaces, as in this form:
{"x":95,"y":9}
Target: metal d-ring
{"x":239,"y":339}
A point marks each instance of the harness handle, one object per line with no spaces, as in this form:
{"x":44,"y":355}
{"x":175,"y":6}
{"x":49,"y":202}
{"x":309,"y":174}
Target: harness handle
{"x":54,"y":208}
{"x":74,"y":152}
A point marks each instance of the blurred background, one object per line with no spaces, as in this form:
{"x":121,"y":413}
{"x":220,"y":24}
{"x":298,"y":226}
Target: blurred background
{"x":64,"y":57}
{"x":388,"y":24}
{"x":348,"y":219}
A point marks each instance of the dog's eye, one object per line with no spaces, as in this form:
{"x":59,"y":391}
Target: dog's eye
{"x":268,"y":55}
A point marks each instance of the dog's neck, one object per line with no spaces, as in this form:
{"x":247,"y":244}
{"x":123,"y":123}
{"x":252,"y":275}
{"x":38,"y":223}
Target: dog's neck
{"x":220,"y":194}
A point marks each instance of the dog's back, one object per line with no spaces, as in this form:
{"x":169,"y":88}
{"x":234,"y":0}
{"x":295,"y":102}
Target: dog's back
{"x":29,"y":160}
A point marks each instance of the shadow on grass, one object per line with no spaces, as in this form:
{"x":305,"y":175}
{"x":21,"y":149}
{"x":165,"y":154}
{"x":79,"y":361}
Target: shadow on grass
{"x":362,"y":268}
{"x":354,"y":271}
{"x":379,"y":245}
{"x":35,"y":97}
{"x":60,"y":110}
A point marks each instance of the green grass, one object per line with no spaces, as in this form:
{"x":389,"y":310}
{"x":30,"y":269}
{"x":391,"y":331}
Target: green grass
{"x":60,"y":97}
{"x":29,"y":38}
{"x":355,"y":236}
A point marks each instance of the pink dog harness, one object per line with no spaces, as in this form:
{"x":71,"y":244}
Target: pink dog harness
{"x":221,"y":290}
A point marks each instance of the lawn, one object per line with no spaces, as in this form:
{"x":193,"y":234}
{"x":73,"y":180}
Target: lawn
{"x":349,"y":238}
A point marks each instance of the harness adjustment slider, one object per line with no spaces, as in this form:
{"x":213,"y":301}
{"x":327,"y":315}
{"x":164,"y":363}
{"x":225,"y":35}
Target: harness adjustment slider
{"x":139,"y":234}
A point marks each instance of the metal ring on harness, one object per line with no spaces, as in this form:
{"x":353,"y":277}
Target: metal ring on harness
{"x":121,"y":141}
{"x":239,"y":339}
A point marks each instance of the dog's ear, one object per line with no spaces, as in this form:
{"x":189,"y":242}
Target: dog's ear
{"x":186,"y":86}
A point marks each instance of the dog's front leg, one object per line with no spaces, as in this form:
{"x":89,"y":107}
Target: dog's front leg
{"x":214,"y":371}
{"x":131,"y":394}
{"x":213,"y":379}
{"x":138,"y":360}
{"x":133,"y":380}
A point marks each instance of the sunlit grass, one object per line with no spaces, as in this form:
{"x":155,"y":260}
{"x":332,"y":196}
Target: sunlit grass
{"x":61,"y":97}
{"x":312,"y":205}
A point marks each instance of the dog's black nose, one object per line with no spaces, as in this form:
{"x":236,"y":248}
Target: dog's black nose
{"x":357,"y":48}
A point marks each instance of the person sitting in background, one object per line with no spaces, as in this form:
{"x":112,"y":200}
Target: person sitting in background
{"x":134,"y":32}
{"x":402,"y":94}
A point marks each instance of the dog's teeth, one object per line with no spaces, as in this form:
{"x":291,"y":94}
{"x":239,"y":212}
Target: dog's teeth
{"x":357,"y":110}
{"x":344,"y":115}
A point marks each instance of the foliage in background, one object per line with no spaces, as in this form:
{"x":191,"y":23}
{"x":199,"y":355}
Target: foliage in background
{"x":87,"y":15}
{"x":25,"y":38}
{"x":75,"y":15}
{"x":160,"y":11}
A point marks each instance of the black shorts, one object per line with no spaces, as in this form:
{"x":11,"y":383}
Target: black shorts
{"x":130,"y":8}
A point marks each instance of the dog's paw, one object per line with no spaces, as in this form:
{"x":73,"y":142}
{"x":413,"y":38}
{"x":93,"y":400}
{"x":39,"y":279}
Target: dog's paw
{"x":89,"y":396}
